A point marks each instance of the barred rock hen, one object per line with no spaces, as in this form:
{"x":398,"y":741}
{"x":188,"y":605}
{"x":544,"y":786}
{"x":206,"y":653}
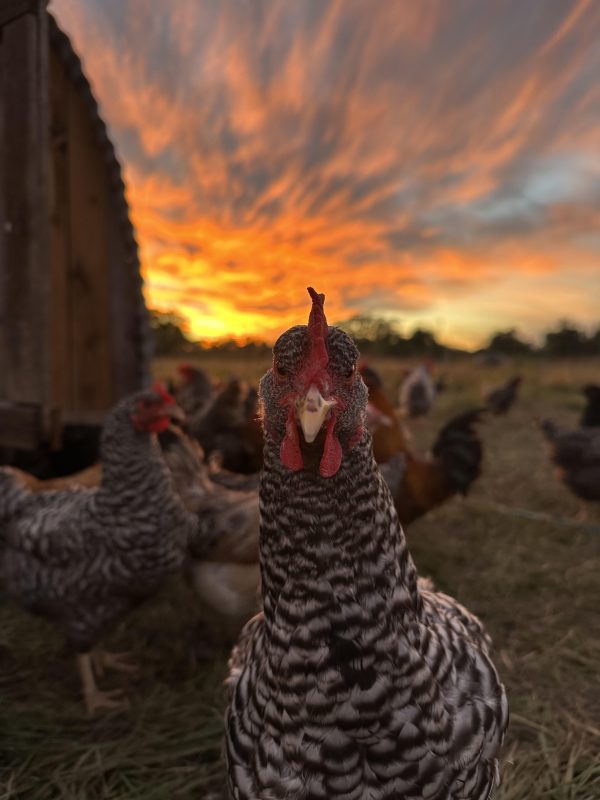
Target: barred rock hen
{"x":196,"y":390}
{"x":354,"y":682}
{"x":419,"y":483}
{"x":86,"y":557}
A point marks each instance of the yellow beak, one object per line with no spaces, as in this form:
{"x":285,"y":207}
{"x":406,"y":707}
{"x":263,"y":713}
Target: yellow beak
{"x":312,"y":411}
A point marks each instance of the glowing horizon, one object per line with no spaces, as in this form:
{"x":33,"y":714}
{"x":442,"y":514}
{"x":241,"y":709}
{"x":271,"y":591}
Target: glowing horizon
{"x":433,"y":163}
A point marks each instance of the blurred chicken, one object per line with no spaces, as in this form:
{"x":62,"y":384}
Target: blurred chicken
{"x":85,"y":557}
{"x":576,"y":455}
{"x":500,"y":399}
{"x":229,"y":425}
{"x":591,"y":414}
{"x":238,"y":481}
{"x":226,"y":578}
{"x":417,"y":392}
{"x":419,"y":483}
{"x":195,"y":391}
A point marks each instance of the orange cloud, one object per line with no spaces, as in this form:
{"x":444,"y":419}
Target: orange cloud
{"x":404,"y":158}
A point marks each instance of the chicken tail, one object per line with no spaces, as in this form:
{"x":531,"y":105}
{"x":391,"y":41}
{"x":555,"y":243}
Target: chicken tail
{"x":459,"y":451}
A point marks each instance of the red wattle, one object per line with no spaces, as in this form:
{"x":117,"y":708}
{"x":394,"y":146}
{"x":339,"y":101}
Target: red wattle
{"x":332,"y":451}
{"x":290,"y":454}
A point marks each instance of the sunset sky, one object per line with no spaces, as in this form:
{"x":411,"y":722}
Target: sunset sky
{"x":435,"y":162}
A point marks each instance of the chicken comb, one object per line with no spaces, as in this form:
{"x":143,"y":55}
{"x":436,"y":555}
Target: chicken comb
{"x":317,"y":331}
{"x":160,"y":390}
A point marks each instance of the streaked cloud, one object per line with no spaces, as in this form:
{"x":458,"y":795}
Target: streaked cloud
{"x":412,"y":159}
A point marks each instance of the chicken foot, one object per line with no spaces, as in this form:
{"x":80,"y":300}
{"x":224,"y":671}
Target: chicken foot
{"x":95,"y":698}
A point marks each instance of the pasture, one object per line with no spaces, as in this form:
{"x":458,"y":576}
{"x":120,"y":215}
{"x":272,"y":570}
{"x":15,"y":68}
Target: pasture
{"x":534,"y":582}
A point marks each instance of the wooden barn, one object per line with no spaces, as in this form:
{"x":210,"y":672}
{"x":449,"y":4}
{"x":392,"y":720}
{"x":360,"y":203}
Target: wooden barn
{"x":74,"y":333}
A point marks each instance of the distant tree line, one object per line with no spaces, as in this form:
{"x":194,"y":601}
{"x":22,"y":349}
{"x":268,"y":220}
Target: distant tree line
{"x":376,"y":336}
{"x":567,"y":340}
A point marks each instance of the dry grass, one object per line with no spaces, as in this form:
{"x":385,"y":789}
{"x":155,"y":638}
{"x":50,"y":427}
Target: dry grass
{"x":535,"y":583}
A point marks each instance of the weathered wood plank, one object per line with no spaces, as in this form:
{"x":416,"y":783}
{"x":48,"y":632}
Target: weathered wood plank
{"x":62,"y":390}
{"x":12,"y":9}
{"x":24,"y":298}
{"x":124,"y":300}
{"x":88,"y":274}
{"x":20,"y":426}
{"x":3,"y":272}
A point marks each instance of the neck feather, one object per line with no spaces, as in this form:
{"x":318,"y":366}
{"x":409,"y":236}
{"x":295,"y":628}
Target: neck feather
{"x":340,"y":533}
{"x":130,"y":459}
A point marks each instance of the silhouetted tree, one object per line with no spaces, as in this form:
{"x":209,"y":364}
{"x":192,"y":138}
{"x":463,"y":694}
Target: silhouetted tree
{"x":508,"y":343}
{"x":169,"y":338}
{"x":566,"y":341}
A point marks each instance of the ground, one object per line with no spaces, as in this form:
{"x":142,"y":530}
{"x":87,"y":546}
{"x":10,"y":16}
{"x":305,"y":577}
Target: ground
{"x":533,"y":581}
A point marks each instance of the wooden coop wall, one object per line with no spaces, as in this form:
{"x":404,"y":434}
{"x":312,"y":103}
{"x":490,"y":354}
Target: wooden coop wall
{"x":73,"y":326}
{"x":24,"y":285}
{"x":82,"y":378}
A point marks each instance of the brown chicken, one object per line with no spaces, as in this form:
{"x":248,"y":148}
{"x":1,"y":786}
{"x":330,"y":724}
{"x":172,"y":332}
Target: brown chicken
{"x":420,"y":483}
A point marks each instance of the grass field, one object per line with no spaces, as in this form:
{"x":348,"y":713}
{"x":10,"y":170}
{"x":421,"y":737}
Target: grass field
{"x":534,"y":582}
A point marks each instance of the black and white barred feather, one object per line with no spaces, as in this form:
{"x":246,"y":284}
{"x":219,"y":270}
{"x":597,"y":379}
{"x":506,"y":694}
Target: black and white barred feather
{"x":355,"y":682}
{"x":85,"y":557}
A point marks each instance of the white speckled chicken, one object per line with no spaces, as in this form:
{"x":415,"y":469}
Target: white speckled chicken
{"x":417,"y":392}
{"x":86,"y":557}
{"x":355,"y":682}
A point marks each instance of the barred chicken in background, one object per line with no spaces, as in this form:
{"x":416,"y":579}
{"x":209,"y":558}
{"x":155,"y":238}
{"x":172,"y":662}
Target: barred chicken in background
{"x":417,"y":392}
{"x":576,"y":455}
{"x":195,"y":391}
{"x":420,"y":483}
{"x":229,"y":426}
{"x":354,"y":682}
{"x":86,"y":557}
{"x":226,"y":576}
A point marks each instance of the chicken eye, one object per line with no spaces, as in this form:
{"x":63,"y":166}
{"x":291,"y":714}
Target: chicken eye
{"x":282,"y":372}
{"x":350,"y":372}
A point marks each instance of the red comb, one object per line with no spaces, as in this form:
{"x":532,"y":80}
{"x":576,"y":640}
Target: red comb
{"x":167,"y":398}
{"x":317,"y":331}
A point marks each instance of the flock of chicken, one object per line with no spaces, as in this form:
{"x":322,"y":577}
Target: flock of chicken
{"x":356,"y":679}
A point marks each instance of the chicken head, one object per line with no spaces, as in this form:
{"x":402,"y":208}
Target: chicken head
{"x":313,"y":398}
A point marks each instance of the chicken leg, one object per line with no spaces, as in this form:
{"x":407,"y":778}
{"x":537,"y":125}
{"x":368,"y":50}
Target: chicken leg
{"x":95,"y":698}
{"x":103,"y":660}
